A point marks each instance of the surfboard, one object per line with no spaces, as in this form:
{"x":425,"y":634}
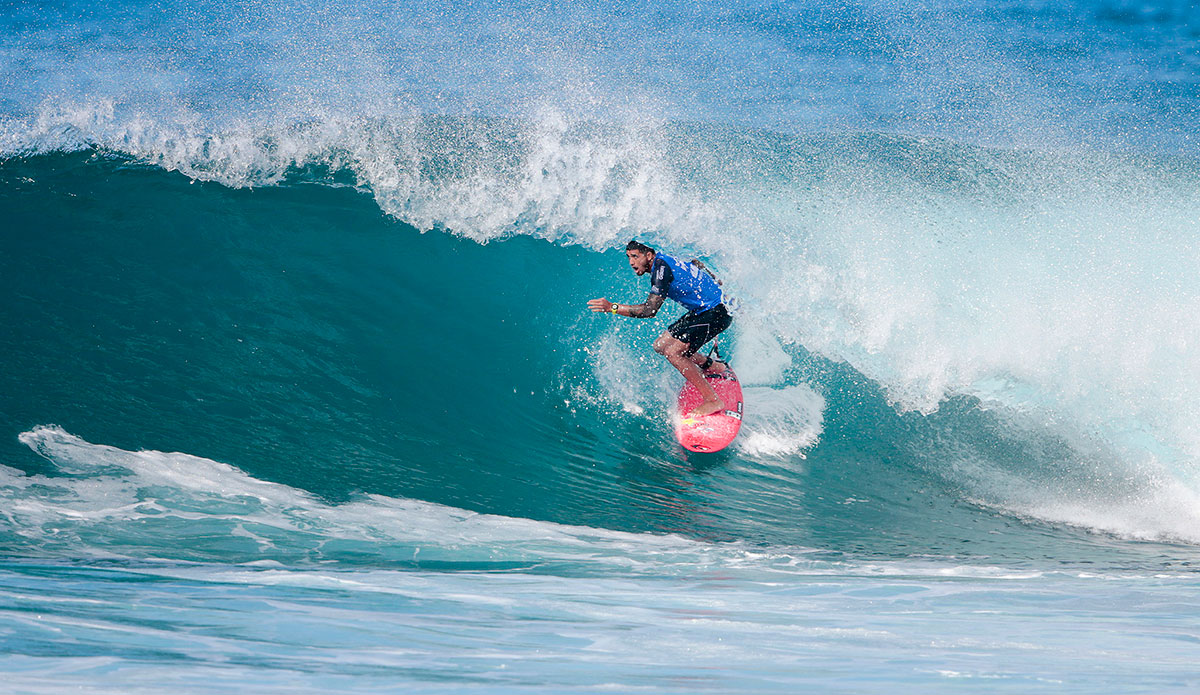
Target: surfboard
{"x":711,"y":432}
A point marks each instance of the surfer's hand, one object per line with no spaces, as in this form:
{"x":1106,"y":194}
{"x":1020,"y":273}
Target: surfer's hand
{"x":601,"y":304}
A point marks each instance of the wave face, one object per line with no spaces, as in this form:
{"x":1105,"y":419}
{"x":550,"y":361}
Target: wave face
{"x":295,"y":301}
{"x":967,"y":277}
{"x":298,"y":333}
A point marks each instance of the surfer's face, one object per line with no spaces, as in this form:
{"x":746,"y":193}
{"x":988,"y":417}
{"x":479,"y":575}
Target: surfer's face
{"x":640,"y":261}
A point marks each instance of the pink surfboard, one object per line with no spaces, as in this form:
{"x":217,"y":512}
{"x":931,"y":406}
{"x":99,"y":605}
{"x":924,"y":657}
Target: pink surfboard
{"x":711,"y":432}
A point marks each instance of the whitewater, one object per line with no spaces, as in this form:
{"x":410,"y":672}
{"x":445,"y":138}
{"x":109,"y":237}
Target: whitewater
{"x":300,"y":391}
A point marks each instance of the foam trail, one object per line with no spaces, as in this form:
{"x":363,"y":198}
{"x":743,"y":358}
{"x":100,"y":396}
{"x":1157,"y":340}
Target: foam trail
{"x":782,"y":422}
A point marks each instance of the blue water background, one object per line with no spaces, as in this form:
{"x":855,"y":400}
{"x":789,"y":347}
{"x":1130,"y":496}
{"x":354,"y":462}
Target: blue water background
{"x":301,"y":393}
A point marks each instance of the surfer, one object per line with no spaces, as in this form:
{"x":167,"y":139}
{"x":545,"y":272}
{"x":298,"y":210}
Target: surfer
{"x":696,"y":288}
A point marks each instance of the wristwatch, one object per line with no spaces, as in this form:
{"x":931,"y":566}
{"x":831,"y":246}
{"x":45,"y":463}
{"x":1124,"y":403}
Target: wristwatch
{"x":614,"y":308}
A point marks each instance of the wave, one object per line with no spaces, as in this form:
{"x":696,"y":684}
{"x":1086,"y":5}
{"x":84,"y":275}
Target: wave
{"x":950,"y":278}
{"x":912,"y":207}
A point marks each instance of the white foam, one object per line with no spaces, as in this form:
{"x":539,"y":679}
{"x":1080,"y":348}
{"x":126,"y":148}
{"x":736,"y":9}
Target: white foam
{"x":130,"y":504}
{"x":91,"y":512}
{"x":632,"y":375}
{"x":781,"y":422}
{"x":1161,"y":509}
{"x":761,"y":361}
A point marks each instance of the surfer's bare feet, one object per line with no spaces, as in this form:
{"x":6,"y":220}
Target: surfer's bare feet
{"x":707,"y":407}
{"x":716,"y":367}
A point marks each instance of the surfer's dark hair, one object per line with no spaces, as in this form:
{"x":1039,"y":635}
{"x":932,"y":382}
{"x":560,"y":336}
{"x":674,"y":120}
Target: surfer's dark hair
{"x":635,"y":245}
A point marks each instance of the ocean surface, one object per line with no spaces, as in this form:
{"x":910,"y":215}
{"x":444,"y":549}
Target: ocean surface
{"x":299,"y":391}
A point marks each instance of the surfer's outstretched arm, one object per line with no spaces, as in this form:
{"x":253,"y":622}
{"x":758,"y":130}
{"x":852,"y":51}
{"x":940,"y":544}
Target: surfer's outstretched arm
{"x":645,"y":310}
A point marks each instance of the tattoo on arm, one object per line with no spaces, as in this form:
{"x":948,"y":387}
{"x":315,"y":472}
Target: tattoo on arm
{"x":696,"y":262}
{"x":647,"y":309}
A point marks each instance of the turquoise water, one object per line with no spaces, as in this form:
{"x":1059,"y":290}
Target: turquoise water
{"x":301,"y":393}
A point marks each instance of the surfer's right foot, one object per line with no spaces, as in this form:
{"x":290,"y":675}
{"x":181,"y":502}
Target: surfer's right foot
{"x":706,"y":407}
{"x":716,"y":367}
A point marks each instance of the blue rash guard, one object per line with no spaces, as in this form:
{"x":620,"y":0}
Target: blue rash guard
{"x":685,"y":283}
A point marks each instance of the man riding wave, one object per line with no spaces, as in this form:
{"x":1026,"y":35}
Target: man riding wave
{"x":693,"y":286}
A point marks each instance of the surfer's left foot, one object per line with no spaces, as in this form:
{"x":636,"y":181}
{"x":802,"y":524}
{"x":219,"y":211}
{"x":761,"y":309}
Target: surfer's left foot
{"x":706,"y":408}
{"x":716,"y":367}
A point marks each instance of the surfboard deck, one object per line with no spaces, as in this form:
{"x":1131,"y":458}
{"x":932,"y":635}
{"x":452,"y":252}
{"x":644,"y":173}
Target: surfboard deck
{"x":711,"y":432}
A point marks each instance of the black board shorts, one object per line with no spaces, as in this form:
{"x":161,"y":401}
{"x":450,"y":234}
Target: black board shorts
{"x":696,"y":329}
